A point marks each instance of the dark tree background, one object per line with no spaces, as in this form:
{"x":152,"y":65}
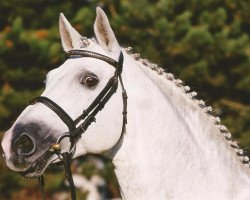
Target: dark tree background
{"x":204,"y":43}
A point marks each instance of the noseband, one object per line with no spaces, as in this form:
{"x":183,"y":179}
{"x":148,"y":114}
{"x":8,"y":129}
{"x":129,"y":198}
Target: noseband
{"x":79,"y":125}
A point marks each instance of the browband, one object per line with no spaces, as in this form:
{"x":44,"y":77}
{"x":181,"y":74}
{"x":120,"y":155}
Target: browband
{"x":84,"y":53}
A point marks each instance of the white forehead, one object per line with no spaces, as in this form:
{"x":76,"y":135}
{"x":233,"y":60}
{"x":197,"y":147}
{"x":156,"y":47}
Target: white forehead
{"x":78,"y":66}
{"x":75,"y":65}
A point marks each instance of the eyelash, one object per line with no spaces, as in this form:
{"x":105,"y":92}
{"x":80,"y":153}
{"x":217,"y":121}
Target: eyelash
{"x":89,"y":80}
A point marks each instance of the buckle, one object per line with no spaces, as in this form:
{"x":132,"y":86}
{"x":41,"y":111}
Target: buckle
{"x":57,"y":147}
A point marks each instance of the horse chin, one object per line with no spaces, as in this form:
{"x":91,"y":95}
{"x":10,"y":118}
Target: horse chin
{"x":38,"y":167}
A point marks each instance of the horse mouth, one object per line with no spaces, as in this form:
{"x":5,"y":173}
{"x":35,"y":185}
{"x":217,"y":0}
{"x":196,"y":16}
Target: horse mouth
{"x":37,"y":168}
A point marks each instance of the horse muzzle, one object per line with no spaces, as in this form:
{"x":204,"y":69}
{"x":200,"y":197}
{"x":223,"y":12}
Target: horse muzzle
{"x":25,"y":149}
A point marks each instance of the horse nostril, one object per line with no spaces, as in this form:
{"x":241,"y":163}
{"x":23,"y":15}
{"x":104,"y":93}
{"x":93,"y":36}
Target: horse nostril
{"x":24,"y":145}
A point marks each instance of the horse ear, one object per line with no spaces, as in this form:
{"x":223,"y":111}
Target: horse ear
{"x":104,"y":34}
{"x":69,"y":36}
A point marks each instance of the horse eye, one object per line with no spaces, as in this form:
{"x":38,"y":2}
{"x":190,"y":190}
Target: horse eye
{"x":90,"y":80}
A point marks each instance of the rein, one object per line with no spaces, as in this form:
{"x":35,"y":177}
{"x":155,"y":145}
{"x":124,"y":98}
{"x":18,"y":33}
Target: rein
{"x":76,"y":129}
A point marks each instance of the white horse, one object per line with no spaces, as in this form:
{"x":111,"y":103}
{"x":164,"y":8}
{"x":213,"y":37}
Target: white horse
{"x":172,"y":147}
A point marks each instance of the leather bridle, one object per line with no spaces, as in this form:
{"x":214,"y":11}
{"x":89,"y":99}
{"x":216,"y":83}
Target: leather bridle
{"x":79,"y":125}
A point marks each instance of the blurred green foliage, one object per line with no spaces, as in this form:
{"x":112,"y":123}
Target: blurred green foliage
{"x":205,"y":43}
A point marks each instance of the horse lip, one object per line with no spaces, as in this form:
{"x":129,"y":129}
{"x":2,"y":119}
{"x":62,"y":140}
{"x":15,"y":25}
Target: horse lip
{"x":37,"y":167}
{"x":31,"y":170}
{"x":32,"y":167}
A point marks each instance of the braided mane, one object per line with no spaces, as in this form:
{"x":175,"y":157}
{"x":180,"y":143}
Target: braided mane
{"x":192,"y":95}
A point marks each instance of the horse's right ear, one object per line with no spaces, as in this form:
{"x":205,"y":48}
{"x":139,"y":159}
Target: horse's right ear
{"x":69,"y":36}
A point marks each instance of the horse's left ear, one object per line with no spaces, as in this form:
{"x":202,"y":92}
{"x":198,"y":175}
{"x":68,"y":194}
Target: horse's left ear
{"x":104,"y":34}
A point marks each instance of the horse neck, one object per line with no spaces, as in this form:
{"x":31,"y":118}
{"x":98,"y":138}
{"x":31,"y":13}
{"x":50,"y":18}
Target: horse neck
{"x":172,"y":148}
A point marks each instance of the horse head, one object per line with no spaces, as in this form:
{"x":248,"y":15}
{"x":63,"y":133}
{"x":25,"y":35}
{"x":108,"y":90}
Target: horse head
{"x":74,"y":86}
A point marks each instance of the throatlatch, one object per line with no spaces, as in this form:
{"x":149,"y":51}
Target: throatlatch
{"x":88,"y":115}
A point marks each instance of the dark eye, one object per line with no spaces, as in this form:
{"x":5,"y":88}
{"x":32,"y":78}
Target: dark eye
{"x":89,"y":80}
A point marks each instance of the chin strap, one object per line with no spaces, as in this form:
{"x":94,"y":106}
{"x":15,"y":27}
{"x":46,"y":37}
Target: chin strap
{"x":68,"y":174}
{"x":41,"y":185}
